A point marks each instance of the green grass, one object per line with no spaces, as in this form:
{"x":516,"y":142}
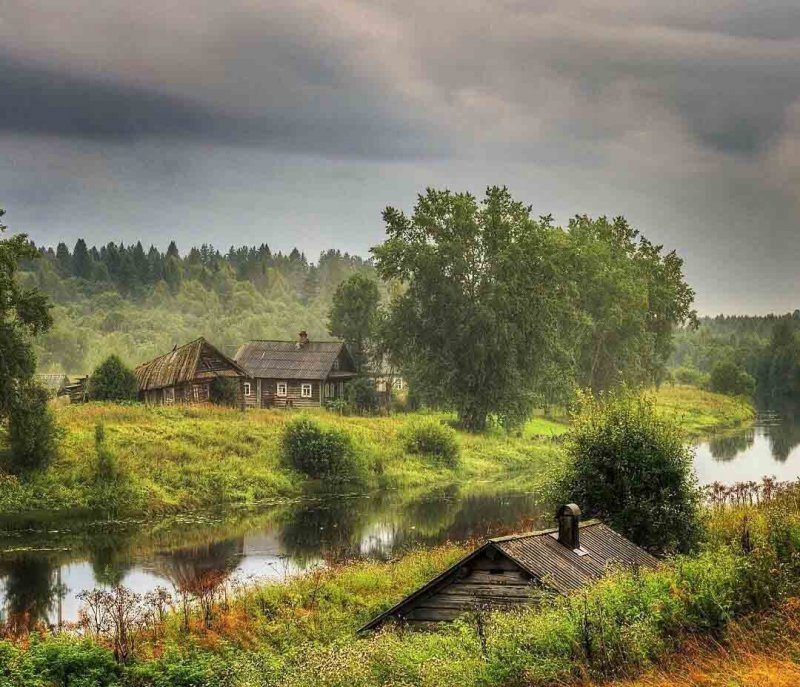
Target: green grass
{"x":189,"y":458}
{"x":701,"y":412}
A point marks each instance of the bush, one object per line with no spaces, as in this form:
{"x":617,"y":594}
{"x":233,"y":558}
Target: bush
{"x":317,"y":451}
{"x":432,"y":439}
{"x":225,"y":391}
{"x":690,"y":375}
{"x":362,"y":395}
{"x":729,"y":378}
{"x":112,"y":380}
{"x":631,"y":467}
{"x":77,"y":663}
{"x":32,"y":431}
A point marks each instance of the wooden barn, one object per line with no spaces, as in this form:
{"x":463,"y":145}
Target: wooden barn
{"x":186,"y":375}
{"x":77,"y":389}
{"x":297,"y":374}
{"x":506,"y":572}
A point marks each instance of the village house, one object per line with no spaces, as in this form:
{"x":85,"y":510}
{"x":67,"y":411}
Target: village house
{"x":505,"y":572}
{"x":294,"y":374}
{"x":188,"y":374}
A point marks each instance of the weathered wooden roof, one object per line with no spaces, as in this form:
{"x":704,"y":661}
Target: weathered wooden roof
{"x":180,"y":365}
{"x":540,"y":555}
{"x":288,"y":360}
{"x":52,"y":382}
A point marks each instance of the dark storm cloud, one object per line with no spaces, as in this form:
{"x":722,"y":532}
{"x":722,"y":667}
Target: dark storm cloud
{"x":306,"y":117}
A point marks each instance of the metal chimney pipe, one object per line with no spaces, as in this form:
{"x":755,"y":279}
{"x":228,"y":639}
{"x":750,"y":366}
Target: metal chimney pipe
{"x":568,"y":517}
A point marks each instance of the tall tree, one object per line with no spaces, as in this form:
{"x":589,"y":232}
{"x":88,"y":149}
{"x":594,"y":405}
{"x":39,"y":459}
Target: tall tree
{"x":353,"y":314}
{"x":24,"y":313}
{"x":81,"y":260}
{"x":483,"y":313}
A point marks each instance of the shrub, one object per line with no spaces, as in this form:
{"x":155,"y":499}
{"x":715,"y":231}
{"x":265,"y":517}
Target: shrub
{"x":112,"y":380}
{"x":631,"y":467}
{"x":77,"y":663}
{"x":362,"y":395}
{"x":224,"y":391}
{"x":32,"y":431}
{"x":317,"y":451}
{"x":434,"y":440}
{"x":691,"y":376}
{"x":729,"y":378}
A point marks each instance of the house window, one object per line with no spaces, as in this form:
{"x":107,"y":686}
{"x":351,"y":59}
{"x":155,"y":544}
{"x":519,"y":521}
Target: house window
{"x":336,"y":364}
{"x":169,"y":394}
{"x":196,"y":392}
{"x":305,"y":391}
{"x":281,"y":389}
{"x":247,"y":389}
{"x":328,"y":390}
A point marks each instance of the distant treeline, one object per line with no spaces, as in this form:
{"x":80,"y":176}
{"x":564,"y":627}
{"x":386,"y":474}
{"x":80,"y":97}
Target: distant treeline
{"x":767,"y":347}
{"x":138,"y":302}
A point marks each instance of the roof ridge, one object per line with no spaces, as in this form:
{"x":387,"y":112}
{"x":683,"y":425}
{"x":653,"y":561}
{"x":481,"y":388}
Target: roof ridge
{"x":539,"y":533}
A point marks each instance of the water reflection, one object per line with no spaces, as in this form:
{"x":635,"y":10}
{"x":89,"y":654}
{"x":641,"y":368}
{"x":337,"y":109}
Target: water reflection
{"x":770,"y":448}
{"x":272,"y":544}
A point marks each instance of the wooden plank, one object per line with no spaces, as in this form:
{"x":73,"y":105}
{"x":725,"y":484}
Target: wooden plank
{"x":435,"y":614}
{"x":487,"y":589}
{"x":467,"y":602}
{"x":486,"y":577}
{"x":500,"y":563}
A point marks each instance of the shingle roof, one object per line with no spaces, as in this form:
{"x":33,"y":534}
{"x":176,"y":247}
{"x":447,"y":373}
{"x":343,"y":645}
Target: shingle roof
{"x":542,"y":557}
{"x":178,"y":366}
{"x":285,"y":360}
{"x":564,"y":570}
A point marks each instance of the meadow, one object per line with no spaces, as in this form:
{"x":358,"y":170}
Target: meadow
{"x":168,"y":460}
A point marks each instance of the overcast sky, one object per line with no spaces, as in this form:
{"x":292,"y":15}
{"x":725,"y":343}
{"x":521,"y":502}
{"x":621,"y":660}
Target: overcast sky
{"x":295,"y":122}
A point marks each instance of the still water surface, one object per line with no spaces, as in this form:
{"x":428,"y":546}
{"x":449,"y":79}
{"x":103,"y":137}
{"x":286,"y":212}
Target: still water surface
{"x":43,"y":566}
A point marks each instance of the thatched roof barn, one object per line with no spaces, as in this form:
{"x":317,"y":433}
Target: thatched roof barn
{"x":296,"y":373}
{"x":186,"y":374}
{"x":505,"y":572}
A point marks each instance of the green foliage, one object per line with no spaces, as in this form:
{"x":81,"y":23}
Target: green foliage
{"x":631,"y":467}
{"x":691,"y":376}
{"x":433,"y":440}
{"x":729,"y":378}
{"x":112,"y":380}
{"x":353,"y":314}
{"x":225,"y":391}
{"x":76,"y":663}
{"x":500,"y":311}
{"x":362,"y":396}
{"x":32,"y":431}
{"x":317,"y":451}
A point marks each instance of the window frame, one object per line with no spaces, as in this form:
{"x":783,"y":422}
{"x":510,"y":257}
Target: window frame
{"x":303,"y":388}
{"x":248,"y":389}
{"x":169,"y":395}
{"x":285,"y":392}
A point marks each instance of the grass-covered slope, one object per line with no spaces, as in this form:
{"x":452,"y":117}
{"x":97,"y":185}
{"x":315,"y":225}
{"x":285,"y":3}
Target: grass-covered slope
{"x":701,"y":412}
{"x":183,"y":458}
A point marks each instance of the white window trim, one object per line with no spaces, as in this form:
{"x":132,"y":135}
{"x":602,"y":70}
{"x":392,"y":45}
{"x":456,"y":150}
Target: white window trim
{"x":306,"y":391}
{"x":248,"y":389}
{"x":285,"y":391}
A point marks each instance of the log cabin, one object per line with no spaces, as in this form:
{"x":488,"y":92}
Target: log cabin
{"x":294,"y":374}
{"x":510,"y":572}
{"x":187,"y":375}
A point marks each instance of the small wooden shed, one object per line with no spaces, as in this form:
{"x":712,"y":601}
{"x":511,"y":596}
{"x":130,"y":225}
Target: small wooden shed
{"x":185,"y":374}
{"x":505,"y":572}
{"x":52,"y":383}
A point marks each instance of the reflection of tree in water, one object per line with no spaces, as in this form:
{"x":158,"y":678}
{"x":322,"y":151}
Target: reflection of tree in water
{"x":30,"y":590}
{"x":728,"y":446}
{"x":109,"y":555}
{"x":330,"y":529}
{"x":337,"y":529}
{"x":784,"y":438}
{"x":186,"y":567}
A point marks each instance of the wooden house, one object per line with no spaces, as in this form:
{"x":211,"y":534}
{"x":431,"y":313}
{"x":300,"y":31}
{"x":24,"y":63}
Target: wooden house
{"x":506,"y":572}
{"x":186,"y":375}
{"x":299,"y":373}
{"x":53,"y":384}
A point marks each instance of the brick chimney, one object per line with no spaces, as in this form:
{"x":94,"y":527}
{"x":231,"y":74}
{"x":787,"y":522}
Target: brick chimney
{"x":569,"y":517}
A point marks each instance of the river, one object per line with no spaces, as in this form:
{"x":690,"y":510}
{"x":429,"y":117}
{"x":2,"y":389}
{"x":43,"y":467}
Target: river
{"x":45,"y":565}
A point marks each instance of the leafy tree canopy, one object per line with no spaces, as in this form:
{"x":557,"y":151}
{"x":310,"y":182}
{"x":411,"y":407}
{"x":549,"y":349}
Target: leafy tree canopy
{"x":353,"y":314}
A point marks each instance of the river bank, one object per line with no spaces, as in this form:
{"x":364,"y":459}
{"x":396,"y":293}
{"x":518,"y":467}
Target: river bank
{"x":185,"y":459}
